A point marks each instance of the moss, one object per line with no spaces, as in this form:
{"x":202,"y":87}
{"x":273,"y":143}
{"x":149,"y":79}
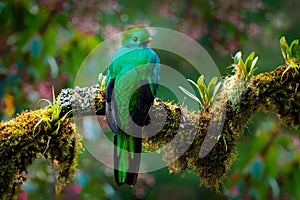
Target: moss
{"x":30,"y":135}
{"x":33,"y":133}
{"x":267,"y":91}
{"x":277,"y":92}
{"x":182,"y":137}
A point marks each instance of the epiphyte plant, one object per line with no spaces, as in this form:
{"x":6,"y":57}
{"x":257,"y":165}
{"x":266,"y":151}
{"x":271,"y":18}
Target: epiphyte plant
{"x":208,"y":93}
{"x":247,"y":68}
{"x":290,"y":54}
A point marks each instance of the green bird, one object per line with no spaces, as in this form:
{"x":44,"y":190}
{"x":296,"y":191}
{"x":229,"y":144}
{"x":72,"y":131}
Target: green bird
{"x":131,"y":85}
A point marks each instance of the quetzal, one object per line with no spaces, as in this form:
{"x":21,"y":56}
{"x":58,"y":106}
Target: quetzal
{"x":131,"y":85}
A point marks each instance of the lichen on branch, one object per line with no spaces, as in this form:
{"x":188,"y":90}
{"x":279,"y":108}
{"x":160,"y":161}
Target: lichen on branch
{"x":50,"y":131}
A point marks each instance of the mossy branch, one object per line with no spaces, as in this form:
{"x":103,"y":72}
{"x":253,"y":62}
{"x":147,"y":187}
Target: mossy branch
{"x":29,"y":135}
{"x":35,"y":133}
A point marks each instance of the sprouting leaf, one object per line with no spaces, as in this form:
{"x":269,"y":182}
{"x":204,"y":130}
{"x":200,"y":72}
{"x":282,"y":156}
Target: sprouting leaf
{"x":249,"y":61}
{"x":246,"y":68}
{"x":294,"y":48}
{"x":237,"y":57}
{"x":192,"y":82}
{"x":213,"y":82}
{"x":203,"y":90}
{"x":198,"y":88}
{"x":216,"y":90}
{"x":253,"y":64}
{"x":211,"y":86}
{"x":283,"y":47}
{"x":290,"y":55}
{"x":200,"y":81}
{"x":190,"y":94}
{"x":207,"y":93}
{"x":289,"y":52}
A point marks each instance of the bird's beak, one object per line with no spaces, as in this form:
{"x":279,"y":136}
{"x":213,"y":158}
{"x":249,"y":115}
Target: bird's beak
{"x":150,"y":40}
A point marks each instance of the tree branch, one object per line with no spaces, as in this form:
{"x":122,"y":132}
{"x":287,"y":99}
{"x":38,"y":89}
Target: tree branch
{"x":25,"y":137}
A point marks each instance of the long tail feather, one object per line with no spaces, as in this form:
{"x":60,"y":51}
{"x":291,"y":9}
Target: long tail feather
{"x":126,"y":158}
{"x":134,"y":162}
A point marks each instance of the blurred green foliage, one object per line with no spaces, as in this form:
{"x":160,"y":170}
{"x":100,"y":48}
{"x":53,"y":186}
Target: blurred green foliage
{"x":43,"y":43}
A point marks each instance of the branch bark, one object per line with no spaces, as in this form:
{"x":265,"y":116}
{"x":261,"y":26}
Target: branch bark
{"x":32,"y":133}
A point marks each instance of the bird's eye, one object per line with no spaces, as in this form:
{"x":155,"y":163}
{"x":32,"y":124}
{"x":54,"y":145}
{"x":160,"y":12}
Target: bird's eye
{"x":135,"y":39}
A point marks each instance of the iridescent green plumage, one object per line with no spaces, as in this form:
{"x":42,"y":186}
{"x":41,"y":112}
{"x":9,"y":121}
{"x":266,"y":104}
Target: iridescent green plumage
{"x":132,"y":79}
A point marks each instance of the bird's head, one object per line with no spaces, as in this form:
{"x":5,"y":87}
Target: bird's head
{"x":135,"y":37}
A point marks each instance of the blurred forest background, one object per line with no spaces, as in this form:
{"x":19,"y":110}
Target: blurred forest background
{"x":43,"y":43}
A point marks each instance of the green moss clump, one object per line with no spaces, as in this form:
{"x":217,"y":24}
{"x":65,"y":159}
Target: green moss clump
{"x":30,"y":135}
{"x":182,"y":137}
{"x":277,"y":91}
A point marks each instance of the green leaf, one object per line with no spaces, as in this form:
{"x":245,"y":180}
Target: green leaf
{"x":199,"y":89}
{"x":253,"y":64}
{"x":192,"y":82}
{"x":294,"y":48}
{"x":211,"y":87}
{"x":248,"y":62}
{"x":216,"y":90}
{"x":190,"y":95}
{"x":212,"y":82}
{"x":200,"y":82}
{"x":284,"y":46}
{"x":237,"y":57}
{"x":253,"y":68}
{"x":202,"y":88}
{"x":206,"y":98}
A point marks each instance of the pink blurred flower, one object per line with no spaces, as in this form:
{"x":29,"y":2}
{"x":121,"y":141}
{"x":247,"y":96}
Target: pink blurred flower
{"x":231,"y":46}
{"x":164,"y":10}
{"x":109,"y":31}
{"x":45,"y":89}
{"x":296,"y":143}
{"x":195,"y":31}
{"x":139,"y":191}
{"x":23,"y":196}
{"x":72,"y":191}
{"x":253,"y":29}
{"x":235,"y":191}
{"x":13,"y":69}
{"x":87,"y":24}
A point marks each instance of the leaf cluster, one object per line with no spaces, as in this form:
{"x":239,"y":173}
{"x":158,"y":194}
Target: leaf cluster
{"x":207,"y":93}
{"x":291,"y":54}
{"x":245,"y":68}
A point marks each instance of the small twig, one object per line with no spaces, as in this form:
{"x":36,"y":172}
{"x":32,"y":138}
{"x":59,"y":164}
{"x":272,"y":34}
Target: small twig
{"x":47,"y":147}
